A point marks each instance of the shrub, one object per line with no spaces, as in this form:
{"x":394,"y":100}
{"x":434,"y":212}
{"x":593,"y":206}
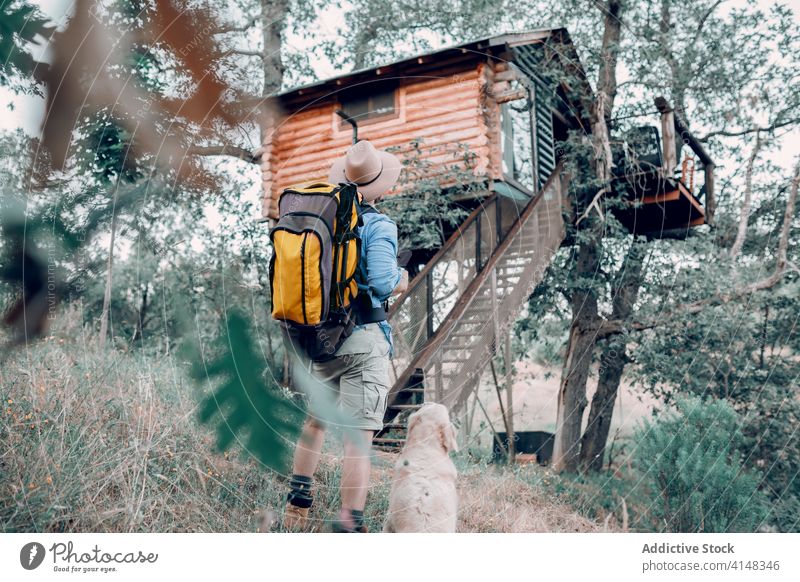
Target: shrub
{"x":690,"y":460}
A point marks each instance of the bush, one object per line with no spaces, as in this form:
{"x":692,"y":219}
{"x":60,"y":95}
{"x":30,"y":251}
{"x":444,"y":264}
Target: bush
{"x":689,"y":458}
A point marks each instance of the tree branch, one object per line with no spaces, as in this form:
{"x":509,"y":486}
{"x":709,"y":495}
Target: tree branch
{"x":704,"y":19}
{"x":749,"y":130}
{"x":234,"y":28}
{"x":226,"y":150}
{"x":242,"y":52}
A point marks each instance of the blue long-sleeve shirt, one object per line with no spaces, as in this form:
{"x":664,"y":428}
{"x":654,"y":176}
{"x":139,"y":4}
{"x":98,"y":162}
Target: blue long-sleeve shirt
{"x":379,"y":272}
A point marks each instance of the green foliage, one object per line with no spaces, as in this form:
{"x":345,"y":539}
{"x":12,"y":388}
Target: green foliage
{"x":107,"y":151}
{"x":771,"y":445}
{"x":423,"y":214}
{"x":20,"y":25}
{"x":245,"y":403}
{"x":690,"y":459}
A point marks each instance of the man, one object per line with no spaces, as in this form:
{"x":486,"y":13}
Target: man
{"x":359,"y":371}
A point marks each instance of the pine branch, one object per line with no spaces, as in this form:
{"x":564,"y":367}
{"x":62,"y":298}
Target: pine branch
{"x":242,"y":52}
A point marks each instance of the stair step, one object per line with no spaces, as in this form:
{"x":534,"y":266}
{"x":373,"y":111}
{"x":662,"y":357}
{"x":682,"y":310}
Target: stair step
{"x":387,"y":441}
{"x":414,"y":390}
{"x":405,"y":406}
{"x":395,"y":425}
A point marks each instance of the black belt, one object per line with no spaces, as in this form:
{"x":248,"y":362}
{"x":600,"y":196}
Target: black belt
{"x":365,"y":312}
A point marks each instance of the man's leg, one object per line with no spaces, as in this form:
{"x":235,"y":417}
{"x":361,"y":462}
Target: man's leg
{"x":309,"y":447}
{"x":355,"y":479}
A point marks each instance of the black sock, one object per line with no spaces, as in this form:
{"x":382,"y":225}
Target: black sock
{"x":358,"y":518}
{"x":357,"y":523}
{"x":300,"y":491}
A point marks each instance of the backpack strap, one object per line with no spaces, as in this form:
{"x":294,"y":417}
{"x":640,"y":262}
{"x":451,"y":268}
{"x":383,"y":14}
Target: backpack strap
{"x":362,"y":306}
{"x":348,"y":195}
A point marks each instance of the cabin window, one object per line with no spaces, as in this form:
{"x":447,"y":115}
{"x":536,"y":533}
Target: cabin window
{"x":518,"y":143}
{"x":369,"y":101}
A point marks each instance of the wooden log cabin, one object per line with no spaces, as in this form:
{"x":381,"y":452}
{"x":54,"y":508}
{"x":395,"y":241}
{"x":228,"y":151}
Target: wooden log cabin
{"x":503,"y":98}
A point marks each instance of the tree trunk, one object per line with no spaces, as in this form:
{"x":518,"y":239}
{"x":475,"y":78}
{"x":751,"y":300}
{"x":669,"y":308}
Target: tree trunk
{"x":744,"y":213}
{"x":104,"y":315}
{"x":612,"y":361}
{"x":273,"y":20}
{"x":510,"y":436}
{"x":138,"y":331}
{"x":578,"y":357}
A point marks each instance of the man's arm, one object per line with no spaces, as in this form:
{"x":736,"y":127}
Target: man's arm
{"x":402,"y":286}
{"x":384,"y":276}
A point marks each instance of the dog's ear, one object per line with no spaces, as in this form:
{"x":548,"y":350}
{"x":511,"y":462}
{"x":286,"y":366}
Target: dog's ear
{"x":447,"y":433}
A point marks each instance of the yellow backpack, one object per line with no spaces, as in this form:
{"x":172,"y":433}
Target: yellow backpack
{"x":314,"y":264}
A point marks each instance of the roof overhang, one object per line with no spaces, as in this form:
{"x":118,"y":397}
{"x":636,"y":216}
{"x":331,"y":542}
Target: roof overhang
{"x":481,"y":48}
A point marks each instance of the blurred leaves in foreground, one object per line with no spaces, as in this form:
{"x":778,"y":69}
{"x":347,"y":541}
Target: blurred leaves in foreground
{"x":246,"y":405}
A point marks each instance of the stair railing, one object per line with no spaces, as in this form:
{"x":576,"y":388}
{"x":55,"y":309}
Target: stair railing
{"x":441,"y":291}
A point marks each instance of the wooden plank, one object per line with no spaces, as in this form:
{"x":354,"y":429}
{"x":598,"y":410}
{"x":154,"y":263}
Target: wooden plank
{"x":434,"y":137}
{"x":438,"y":160}
{"x":418,"y":117}
{"x":660,"y":198}
{"x":506,"y":96}
{"x":694,"y":203}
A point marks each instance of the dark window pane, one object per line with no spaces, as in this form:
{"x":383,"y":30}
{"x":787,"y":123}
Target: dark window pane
{"x":369,"y":100}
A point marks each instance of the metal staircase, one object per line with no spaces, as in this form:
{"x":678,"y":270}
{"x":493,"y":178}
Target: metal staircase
{"x":447,"y":324}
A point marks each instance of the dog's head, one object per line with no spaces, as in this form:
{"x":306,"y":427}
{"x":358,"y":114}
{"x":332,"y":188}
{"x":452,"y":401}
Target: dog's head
{"x":430,"y":424}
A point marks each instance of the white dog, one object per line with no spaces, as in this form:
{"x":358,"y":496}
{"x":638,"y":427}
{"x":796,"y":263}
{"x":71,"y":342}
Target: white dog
{"x":424,"y":496}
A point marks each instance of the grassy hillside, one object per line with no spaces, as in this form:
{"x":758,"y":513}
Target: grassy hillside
{"x":93,"y":441}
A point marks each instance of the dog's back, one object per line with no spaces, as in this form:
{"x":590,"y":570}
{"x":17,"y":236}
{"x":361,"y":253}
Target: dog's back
{"x":424,"y":496}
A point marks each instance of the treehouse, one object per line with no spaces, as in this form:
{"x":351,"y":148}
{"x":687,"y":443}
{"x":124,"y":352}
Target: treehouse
{"x":510,"y":101}
{"x":493,"y":97}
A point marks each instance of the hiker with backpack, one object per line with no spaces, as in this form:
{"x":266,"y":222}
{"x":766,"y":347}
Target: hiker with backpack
{"x":334,"y":267}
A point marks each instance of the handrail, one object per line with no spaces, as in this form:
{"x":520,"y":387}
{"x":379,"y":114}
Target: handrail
{"x":463,"y":302}
{"x":431,"y":264}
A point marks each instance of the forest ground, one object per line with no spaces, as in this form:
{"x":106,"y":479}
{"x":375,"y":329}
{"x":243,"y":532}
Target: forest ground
{"x":109,"y":441}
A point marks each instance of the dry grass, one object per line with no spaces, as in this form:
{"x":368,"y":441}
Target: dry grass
{"x":94,"y":441}
{"x":500,"y":502}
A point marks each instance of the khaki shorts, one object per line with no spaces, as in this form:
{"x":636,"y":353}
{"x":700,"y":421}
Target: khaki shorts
{"x":359,"y":374}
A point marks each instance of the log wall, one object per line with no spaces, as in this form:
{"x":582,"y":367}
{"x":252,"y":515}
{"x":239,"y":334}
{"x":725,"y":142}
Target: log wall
{"x":444,"y":108}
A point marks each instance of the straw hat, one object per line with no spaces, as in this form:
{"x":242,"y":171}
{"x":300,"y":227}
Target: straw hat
{"x":373,"y":171}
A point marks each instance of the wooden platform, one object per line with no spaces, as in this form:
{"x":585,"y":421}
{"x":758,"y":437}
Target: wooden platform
{"x":656,"y":205}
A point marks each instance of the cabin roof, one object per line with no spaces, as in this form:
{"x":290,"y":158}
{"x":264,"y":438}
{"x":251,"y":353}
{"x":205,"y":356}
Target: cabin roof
{"x":482,"y":46}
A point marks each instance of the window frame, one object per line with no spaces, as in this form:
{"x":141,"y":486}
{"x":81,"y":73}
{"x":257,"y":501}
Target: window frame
{"x":507,"y":136}
{"x":371,"y":118}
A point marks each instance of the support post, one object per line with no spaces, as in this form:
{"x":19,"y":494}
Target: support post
{"x":512,"y":449}
{"x":669,"y":153}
